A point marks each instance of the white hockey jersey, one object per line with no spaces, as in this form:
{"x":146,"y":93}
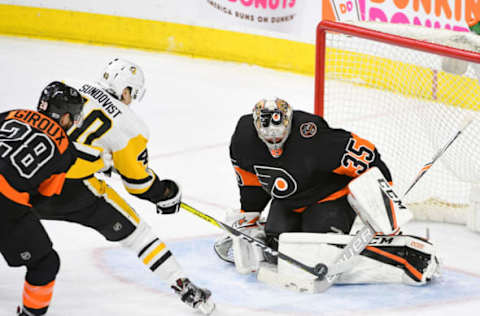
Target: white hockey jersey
{"x":113,"y":126}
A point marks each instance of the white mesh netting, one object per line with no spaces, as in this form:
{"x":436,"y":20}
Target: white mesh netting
{"x":409,"y":107}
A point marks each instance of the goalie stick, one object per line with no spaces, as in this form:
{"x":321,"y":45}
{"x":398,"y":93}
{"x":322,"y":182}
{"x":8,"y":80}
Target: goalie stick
{"x":320,"y":270}
{"x":344,"y":262}
{"x":428,"y":165}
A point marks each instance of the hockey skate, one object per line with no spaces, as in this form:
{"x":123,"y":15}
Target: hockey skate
{"x":194,"y":296}
{"x":22,"y":312}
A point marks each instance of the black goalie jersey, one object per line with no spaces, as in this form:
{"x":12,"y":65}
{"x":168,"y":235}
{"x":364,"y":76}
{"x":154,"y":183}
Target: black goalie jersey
{"x":316,"y":165}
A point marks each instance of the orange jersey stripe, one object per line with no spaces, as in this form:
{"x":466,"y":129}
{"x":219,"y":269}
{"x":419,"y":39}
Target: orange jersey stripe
{"x":37,"y":297}
{"x":247,"y":178}
{"x":52,"y":185}
{"x":300,"y":210}
{"x":335,"y":195}
{"x":401,"y":260}
{"x":42,"y":122}
{"x":12,"y":194}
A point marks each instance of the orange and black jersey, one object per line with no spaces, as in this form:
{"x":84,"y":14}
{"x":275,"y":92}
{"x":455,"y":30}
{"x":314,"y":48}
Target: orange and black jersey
{"x":316,"y":165}
{"x":35,"y":154}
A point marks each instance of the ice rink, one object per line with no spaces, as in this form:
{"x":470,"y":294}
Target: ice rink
{"x":191,"y":107}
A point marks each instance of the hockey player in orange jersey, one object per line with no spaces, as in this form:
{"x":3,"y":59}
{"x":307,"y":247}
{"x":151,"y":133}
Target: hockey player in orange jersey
{"x":36,"y":156}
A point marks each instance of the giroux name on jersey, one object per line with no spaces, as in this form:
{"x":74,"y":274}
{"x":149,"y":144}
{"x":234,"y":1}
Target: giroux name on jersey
{"x":102,"y":98}
{"x":43,"y":123}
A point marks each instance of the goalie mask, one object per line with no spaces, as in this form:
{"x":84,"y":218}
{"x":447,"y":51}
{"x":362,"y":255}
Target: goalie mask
{"x":120,"y":74}
{"x":273,"y":120}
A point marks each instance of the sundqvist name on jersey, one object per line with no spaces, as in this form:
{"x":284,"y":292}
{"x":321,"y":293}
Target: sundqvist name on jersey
{"x":102,"y":98}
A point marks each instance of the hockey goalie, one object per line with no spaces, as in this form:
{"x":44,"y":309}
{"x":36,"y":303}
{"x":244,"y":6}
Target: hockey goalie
{"x":330,"y":202}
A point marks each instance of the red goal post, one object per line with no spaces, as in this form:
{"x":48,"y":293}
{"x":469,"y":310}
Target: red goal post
{"x":407,"y":89}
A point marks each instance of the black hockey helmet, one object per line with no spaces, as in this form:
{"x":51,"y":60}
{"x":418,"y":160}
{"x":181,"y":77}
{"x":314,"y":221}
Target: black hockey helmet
{"x":57,"y":99}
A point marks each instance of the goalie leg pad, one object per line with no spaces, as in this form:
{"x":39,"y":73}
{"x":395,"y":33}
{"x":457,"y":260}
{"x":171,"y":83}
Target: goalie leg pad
{"x":247,"y":256}
{"x":387,"y":259}
{"x":375,"y":201}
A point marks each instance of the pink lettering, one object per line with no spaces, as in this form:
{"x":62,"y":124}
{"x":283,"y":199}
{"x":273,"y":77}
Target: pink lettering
{"x":460,"y":29}
{"x":267,"y":4}
{"x":400,"y":18}
{"x":246,"y":3}
{"x":376,"y":14}
{"x":274,"y":4}
{"x":416,"y":21}
{"x":263,"y":3}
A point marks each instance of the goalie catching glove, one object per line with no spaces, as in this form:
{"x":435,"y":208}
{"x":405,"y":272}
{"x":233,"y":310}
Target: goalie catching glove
{"x":246,"y":256}
{"x":172,"y":197}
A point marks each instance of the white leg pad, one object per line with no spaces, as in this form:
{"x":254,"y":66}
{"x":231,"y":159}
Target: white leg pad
{"x":311,"y":249}
{"x":247,"y":256}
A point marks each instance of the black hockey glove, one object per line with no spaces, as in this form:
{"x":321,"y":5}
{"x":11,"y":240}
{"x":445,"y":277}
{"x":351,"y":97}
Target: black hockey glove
{"x":170,"y":203}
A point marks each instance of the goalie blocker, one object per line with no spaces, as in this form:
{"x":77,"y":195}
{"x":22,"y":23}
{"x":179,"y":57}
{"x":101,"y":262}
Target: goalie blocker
{"x":387,"y":258}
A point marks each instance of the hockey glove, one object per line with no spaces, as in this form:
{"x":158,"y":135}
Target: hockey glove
{"x":170,"y":203}
{"x":194,"y":296}
{"x":246,"y":222}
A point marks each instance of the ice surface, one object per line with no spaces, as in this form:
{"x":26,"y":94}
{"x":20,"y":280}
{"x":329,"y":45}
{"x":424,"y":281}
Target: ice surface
{"x":191,"y":107}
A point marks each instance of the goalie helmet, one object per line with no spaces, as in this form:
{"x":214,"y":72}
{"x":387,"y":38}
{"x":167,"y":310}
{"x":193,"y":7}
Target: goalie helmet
{"x":120,"y":74}
{"x":57,"y":99}
{"x":273,"y":120}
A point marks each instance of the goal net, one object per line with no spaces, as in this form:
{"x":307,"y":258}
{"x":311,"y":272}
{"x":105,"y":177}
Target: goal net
{"x":407,"y":89}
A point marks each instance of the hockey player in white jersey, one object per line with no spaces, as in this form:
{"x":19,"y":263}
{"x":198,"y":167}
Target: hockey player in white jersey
{"x":110,"y":123}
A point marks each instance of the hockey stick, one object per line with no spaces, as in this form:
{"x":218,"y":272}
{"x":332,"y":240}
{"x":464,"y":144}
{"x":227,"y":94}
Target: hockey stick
{"x":363,"y":238}
{"x":320,"y":270}
{"x":428,"y":165}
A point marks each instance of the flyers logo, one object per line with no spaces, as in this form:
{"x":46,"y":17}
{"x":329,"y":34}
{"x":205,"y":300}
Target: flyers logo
{"x":276,"y":181}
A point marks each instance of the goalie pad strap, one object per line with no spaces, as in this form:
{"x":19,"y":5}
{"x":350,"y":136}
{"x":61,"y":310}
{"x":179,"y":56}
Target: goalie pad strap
{"x":388,"y":258}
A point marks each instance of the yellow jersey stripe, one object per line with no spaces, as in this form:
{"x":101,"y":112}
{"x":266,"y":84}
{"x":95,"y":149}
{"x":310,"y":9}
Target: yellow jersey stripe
{"x":154,"y":252}
{"x":112,"y":197}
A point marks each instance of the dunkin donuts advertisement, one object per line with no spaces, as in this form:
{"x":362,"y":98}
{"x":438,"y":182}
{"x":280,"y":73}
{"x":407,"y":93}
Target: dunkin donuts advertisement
{"x":447,"y":14}
{"x":276,"y":15}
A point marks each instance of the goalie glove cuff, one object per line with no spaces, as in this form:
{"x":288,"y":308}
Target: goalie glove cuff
{"x":170,"y":203}
{"x":244,"y":220}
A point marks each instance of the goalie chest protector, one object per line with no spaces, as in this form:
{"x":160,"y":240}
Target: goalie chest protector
{"x":317,"y":161}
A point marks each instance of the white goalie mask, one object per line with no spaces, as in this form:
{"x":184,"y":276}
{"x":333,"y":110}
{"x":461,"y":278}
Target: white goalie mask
{"x":273,"y":120}
{"x":120,"y":74}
